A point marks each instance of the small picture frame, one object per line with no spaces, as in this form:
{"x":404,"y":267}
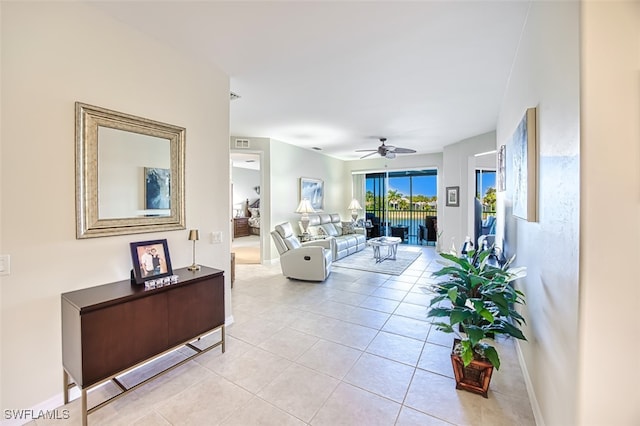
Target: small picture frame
{"x":453,"y":196}
{"x":151,"y":260}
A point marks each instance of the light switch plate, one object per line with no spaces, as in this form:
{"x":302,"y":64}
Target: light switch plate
{"x":216,"y":237}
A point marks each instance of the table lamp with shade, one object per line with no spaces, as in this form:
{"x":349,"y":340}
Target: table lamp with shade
{"x":305,"y":208}
{"x":354,"y":206}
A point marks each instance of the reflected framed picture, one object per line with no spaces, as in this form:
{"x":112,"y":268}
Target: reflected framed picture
{"x":522,"y":167}
{"x":151,"y":260}
{"x":453,"y":196}
{"x":157,"y":188}
{"x":312,"y":190}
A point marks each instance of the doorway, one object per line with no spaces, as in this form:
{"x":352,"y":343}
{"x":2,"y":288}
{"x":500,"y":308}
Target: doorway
{"x":246,"y":210}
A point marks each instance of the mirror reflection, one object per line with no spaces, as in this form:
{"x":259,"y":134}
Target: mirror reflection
{"x":126,"y":188}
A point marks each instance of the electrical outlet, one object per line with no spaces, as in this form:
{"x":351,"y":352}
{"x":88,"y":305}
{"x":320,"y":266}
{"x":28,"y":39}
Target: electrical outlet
{"x":5,"y":264}
{"x":216,"y":237}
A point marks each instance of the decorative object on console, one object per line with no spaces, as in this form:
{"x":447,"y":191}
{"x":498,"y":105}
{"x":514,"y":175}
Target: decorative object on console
{"x":312,"y":190}
{"x":453,"y":196}
{"x":523,"y":167}
{"x":194,"y":236}
{"x":354,"y":206}
{"x":305,"y":208}
{"x":150,"y":260}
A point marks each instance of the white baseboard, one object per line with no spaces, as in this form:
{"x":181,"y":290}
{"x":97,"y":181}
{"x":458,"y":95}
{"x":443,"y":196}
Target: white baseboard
{"x":228,"y":321}
{"x":535,"y":407}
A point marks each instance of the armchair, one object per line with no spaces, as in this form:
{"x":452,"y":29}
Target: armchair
{"x":310,"y":261}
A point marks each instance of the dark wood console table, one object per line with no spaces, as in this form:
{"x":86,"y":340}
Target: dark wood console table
{"x":110,"y":329}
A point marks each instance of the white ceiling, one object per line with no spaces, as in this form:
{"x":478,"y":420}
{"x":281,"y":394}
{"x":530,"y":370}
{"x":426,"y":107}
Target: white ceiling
{"x":339,"y":75}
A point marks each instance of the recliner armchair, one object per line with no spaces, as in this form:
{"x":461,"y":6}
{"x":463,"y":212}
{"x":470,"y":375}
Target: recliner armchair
{"x":309,"y":261}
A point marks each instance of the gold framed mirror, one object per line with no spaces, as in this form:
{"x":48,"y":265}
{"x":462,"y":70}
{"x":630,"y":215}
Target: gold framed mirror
{"x":129,"y":174}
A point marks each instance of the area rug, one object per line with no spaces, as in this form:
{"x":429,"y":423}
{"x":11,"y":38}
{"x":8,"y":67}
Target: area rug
{"x":247,"y":255}
{"x":364,"y":261}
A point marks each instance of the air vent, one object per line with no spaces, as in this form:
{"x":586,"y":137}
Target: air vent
{"x":234,"y":96}
{"x":242,"y":143}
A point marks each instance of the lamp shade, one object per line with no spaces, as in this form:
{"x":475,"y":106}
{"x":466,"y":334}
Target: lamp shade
{"x":305,"y":207}
{"x":194,"y":235}
{"x":354,"y":205}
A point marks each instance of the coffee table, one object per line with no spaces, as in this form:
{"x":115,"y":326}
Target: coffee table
{"x":391,"y":243}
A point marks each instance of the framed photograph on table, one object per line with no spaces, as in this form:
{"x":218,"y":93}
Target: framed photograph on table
{"x":453,"y":196}
{"x":151,"y":260}
{"x":312,"y":190}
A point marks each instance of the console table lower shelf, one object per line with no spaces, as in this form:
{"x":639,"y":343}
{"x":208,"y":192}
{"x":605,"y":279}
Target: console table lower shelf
{"x":110,"y":330}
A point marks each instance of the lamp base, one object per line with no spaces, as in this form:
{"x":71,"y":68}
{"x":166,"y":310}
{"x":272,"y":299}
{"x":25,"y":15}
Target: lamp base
{"x":193,"y":267}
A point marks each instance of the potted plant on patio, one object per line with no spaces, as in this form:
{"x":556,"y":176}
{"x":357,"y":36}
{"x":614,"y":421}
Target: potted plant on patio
{"x":478,"y":299}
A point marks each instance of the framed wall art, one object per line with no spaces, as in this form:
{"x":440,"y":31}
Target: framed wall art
{"x":453,"y":196}
{"x":522,"y":167}
{"x":151,"y":260}
{"x":312,"y":190}
{"x":501,"y":178}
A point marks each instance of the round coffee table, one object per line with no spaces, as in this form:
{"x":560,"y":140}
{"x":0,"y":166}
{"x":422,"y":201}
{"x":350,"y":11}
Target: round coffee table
{"x":391,"y":243}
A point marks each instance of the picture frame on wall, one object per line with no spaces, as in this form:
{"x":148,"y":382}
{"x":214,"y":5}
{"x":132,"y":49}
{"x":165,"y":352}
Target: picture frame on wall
{"x":522,"y":167}
{"x":313,"y":190}
{"x":501,"y":179}
{"x":453,"y":196}
{"x":150,"y":260}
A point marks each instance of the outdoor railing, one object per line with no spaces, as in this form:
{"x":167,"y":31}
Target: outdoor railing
{"x":410,"y":218}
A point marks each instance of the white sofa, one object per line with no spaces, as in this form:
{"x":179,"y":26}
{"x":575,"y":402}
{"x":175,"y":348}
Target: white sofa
{"x":344,"y":238}
{"x":302,"y":261}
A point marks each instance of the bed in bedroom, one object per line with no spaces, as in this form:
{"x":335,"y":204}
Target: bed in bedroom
{"x":253,"y":213}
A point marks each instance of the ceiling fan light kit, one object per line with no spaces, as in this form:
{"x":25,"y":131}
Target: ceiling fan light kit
{"x":386,"y":151}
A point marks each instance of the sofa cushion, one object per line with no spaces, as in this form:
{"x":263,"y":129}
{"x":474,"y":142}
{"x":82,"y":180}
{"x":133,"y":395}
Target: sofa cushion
{"x":329,"y":229}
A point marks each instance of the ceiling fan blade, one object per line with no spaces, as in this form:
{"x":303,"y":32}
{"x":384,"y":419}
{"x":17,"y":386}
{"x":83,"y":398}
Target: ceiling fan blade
{"x":404,"y":151}
{"x":365,"y":150}
{"x":369,"y":155}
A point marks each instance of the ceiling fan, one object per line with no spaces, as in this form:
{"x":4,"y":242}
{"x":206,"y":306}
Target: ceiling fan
{"x":386,"y":151}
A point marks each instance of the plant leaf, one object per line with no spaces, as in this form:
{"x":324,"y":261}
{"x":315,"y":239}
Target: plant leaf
{"x":492,"y":355}
{"x":453,"y":294}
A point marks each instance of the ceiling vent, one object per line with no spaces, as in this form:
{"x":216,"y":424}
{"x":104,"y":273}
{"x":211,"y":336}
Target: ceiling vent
{"x":242,"y":143}
{"x":234,"y":96}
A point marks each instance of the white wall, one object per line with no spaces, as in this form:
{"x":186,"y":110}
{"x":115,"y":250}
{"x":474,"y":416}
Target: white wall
{"x":459,"y":164}
{"x":244,"y":180}
{"x":546,"y":74}
{"x":610,"y":214}
{"x":54,"y":54}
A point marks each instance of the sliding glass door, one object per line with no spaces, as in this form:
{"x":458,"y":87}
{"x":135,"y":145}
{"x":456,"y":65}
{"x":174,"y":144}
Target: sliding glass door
{"x":402,"y":203}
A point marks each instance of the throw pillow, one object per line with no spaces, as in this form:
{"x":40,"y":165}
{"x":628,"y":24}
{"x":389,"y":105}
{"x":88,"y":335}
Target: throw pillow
{"x":254,"y":212}
{"x":348,"y":228}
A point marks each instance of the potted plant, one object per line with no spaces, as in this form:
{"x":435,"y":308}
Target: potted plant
{"x":478,"y":299}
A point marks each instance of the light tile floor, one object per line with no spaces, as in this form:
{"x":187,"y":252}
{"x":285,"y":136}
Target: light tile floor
{"x":354,"y":350}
